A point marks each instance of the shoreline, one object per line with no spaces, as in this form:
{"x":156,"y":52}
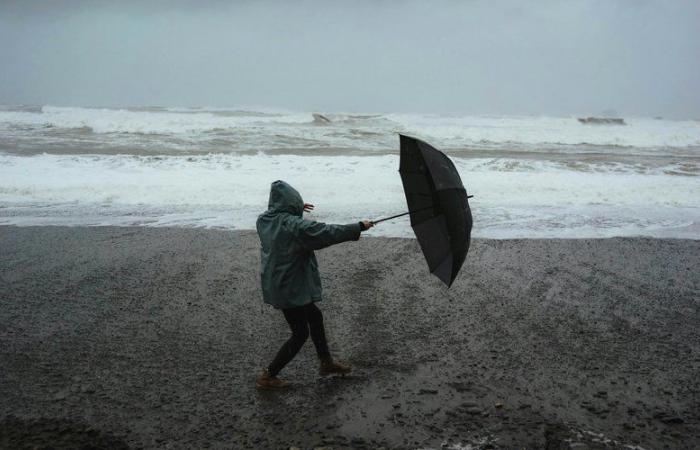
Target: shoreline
{"x":153,"y":337}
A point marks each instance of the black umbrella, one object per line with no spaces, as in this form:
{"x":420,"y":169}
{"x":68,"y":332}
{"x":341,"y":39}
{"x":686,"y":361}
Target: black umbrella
{"x":438,"y":205}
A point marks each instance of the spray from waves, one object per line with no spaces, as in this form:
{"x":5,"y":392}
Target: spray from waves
{"x":144,"y":120}
{"x":161,"y":130}
{"x":532,"y":176}
{"x":542,"y":199}
{"x":640,"y":132}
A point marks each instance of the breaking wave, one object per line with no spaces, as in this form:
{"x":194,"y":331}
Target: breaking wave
{"x":238,"y":130}
{"x":211,"y":167}
{"x":512,"y":198}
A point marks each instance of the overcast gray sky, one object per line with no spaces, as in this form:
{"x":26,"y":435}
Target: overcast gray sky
{"x":639,"y":57}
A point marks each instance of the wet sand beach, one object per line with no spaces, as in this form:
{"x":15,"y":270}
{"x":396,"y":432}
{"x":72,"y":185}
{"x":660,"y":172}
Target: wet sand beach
{"x":152,"y":338}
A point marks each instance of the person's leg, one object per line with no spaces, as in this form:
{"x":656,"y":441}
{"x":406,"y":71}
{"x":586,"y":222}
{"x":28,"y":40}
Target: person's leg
{"x":318,"y":335}
{"x":318,"y":332}
{"x":296,"y":318}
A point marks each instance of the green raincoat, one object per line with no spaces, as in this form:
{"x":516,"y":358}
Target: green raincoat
{"x":289,"y":270}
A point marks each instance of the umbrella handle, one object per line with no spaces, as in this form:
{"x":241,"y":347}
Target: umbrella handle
{"x":374,"y":222}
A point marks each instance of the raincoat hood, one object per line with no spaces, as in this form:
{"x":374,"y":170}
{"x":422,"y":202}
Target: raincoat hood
{"x":284,"y":198}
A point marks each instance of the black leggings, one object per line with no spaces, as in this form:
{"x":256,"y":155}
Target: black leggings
{"x":301,"y":320}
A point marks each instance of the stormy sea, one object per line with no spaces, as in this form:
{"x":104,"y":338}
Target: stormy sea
{"x":531,"y":176}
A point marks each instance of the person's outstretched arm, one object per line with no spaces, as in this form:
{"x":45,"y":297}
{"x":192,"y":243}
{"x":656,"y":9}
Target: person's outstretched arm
{"x":317,"y":235}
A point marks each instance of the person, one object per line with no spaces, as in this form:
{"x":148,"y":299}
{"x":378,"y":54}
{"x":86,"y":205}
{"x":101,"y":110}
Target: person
{"x":290,"y":278}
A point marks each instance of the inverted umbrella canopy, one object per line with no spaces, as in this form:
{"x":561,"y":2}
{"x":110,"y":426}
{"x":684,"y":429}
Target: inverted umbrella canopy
{"x":438,"y":206}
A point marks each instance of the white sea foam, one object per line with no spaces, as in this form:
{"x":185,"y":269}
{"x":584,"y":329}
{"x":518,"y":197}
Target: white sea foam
{"x":639,"y":132}
{"x":531,"y":176}
{"x":106,"y":120}
{"x":233,"y":130}
{"x":513,"y":198}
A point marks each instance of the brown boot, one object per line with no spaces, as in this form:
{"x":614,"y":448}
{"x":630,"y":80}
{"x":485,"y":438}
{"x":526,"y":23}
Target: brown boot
{"x":266,"y":381}
{"x":329,"y":367}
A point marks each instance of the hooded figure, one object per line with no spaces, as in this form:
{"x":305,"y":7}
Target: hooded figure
{"x":289,"y":270}
{"x":289,"y":274}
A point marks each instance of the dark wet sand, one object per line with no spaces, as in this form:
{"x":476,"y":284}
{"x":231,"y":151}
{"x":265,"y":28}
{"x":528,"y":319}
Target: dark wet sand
{"x":152,"y":338}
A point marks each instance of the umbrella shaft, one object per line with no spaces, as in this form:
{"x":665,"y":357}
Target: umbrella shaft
{"x":399,"y":215}
{"x":409,"y":212}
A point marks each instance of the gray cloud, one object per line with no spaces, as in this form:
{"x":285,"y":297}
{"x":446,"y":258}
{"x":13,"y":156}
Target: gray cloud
{"x":511,"y":57}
